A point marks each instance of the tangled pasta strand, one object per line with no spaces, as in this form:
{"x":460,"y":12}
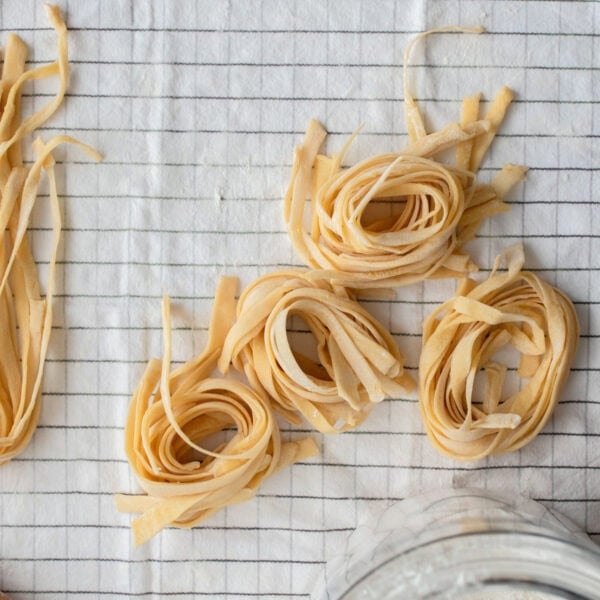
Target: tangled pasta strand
{"x":440,"y":206}
{"x":358,"y":363}
{"x":173,"y":413}
{"x":461,"y":337}
{"x":25,"y":317}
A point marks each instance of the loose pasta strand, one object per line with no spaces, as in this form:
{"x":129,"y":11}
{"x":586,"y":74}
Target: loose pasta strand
{"x":25,"y":317}
{"x":412,"y":114}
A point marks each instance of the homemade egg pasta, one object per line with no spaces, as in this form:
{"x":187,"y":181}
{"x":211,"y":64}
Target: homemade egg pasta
{"x":25,"y":317}
{"x":173,"y":413}
{"x":358,"y":361}
{"x":460,"y":339}
{"x":434,"y":208}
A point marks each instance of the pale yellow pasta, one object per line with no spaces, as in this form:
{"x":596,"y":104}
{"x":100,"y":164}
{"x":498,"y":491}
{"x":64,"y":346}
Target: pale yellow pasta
{"x":358,"y":362}
{"x":435,"y":208}
{"x":174,"y":412}
{"x":461,"y":338}
{"x":25,"y":316}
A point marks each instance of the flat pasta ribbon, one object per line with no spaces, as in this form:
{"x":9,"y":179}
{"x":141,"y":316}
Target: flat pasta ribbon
{"x":358,"y":362}
{"x":25,"y":317}
{"x":173,"y":412}
{"x":461,"y":337}
{"x":434,"y":208}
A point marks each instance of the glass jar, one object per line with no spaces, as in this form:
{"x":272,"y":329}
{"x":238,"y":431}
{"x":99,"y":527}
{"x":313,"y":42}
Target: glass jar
{"x":465,"y":544}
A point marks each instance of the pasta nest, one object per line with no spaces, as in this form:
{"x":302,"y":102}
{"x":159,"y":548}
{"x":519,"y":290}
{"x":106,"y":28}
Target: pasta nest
{"x":407,"y":246}
{"x":399,"y":218}
{"x":460,"y":339}
{"x":176,"y":416}
{"x":358,"y":363}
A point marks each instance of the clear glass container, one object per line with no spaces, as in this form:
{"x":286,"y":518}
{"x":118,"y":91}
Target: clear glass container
{"x":465,"y":544}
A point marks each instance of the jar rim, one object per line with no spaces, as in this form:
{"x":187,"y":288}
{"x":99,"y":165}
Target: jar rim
{"x":453,"y":540}
{"x":483,"y":566}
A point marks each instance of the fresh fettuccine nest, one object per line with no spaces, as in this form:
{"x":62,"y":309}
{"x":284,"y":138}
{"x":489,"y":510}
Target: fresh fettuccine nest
{"x":358,"y":361}
{"x":25,"y":317}
{"x":172,"y":415}
{"x":461,"y":338}
{"x":435,"y":208}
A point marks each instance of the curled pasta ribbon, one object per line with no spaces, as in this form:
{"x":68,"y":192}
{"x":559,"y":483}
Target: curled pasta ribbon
{"x":399,"y":218}
{"x":358,"y":362}
{"x":25,"y":317}
{"x":173,"y":412}
{"x":461,"y":337}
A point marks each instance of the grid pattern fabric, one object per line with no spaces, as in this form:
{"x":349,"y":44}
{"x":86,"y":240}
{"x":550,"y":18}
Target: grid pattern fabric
{"x":196,"y":106}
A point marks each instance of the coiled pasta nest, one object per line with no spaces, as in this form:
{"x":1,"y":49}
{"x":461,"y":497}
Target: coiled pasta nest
{"x":357,"y":365}
{"x":174,"y":414}
{"x":460,"y":339}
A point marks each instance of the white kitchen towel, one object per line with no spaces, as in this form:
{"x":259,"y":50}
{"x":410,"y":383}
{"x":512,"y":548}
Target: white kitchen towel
{"x":197,"y":106}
